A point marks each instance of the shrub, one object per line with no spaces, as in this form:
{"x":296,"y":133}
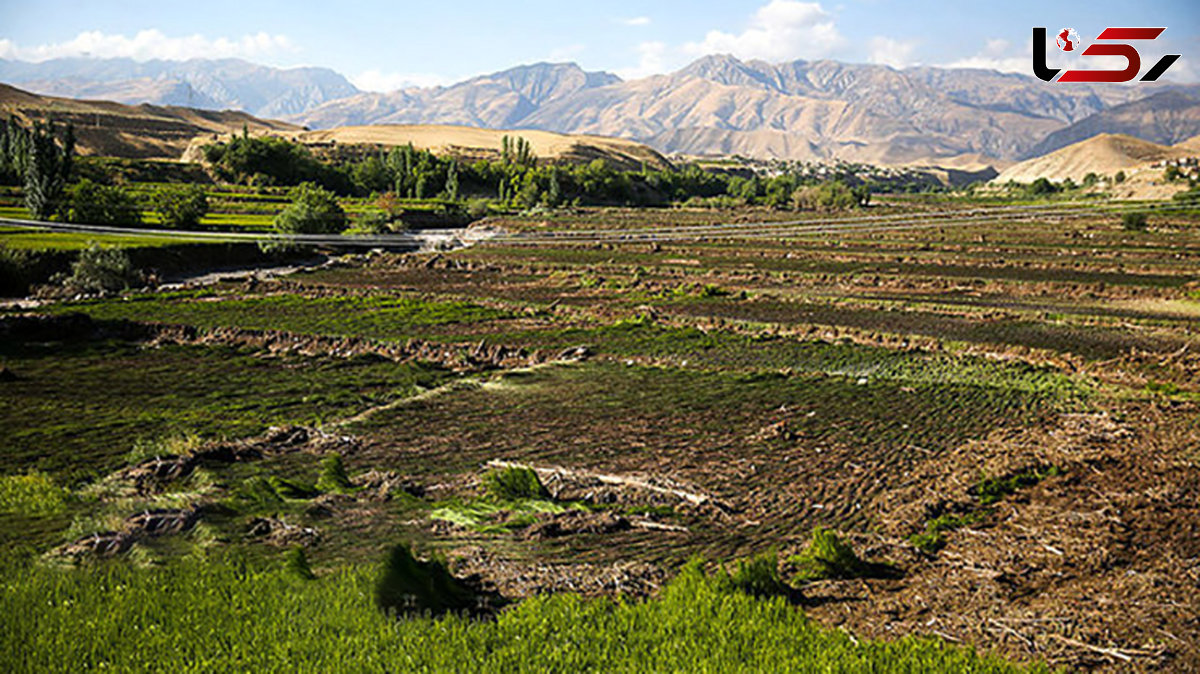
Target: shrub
{"x":409,"y":585}
{"x":1041,"y":187}
{"x":100,"y":270}
{"x":477,"y":208}
{"x":1119,"y":177}
{"x":992,"y":489}
{"x":759,"y":577}
{"x":333,"y":475}
{"x":295,"y":562}
{"x":828,"y":556}
{"x":510,"y":484}
{"x":294,"y":489}
{"x":1134,"y":221}
{"x":933,"y":538}
{"x":181,"y":207}
{"x":95,"y":204}
{"x":314,"y":210}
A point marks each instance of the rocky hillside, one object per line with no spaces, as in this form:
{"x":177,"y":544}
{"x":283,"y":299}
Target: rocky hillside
{"x":197,"y":83}
{"x":141,"y":131}
{"x":722,"y":105}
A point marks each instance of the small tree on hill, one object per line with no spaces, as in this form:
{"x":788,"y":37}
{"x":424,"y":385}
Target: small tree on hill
{"x":314,"y":210}
{"x":181,"y":207}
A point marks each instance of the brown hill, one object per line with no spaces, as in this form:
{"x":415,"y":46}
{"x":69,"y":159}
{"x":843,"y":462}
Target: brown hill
{"x":136,"y":131}
{"x":476,"y":143}
{"x":1104,"y":154}
{"x":1166,"y":118}
{"x":720,"y":105}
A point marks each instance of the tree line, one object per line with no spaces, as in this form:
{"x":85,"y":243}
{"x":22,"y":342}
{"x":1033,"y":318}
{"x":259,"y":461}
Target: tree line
{"x":517,"y":178}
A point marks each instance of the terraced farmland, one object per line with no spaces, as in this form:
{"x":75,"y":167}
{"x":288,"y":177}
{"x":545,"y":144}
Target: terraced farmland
{"x":1000,"y":418}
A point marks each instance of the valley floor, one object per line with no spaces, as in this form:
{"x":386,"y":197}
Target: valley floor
{"x":999,"y":417}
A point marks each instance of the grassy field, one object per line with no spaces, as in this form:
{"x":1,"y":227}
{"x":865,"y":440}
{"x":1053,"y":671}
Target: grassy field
{"x":999,"y":422}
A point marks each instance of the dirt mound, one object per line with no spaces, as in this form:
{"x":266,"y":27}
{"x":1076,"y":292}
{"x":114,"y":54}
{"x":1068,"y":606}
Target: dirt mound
{"x":279,"y":533}
{"x":518,"y":578}
{"x":144,"y":524}
{"x":571,"y":522}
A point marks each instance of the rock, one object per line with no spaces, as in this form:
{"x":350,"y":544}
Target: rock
{"x":158,"y":522}
{"x":378,"y":485}
{"x":274,"y":531}
{"x":576,"y":522}
{"x":102,"y":544}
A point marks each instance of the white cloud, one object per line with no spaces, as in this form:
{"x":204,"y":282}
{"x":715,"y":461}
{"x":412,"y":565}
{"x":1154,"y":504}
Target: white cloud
{"x":651,"y":61}
{"x":781,"y":30}
{"x":637,"y":21}
{"x":151,"y":44}
{"x":891,"y":52}
{"x":997,"y":54}
{"x":375,"y":80}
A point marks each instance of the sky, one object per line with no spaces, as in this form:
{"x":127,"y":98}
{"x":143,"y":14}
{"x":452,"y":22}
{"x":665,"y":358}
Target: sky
{"x":382,"y":46}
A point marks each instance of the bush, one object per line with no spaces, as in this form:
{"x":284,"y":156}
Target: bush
{"x":181,"y":207}
{"x":95,"y":204}
{"x":333,"y":475}
{"x":295,"y":562}
{"x":100,"y":270}
{"x":1041,"y":187}
{"x":828,"y":556}
{"x":478,"y":208}
{"x":992,"y":489}
{"x":759,"y":577}
{"x":1134,"y":221}
{"x":409,"y":585}
{"x":314,"y":210}
{"x":1119,"y":177}
{"x":933,"y":537}
{"x":510,"y":484}
{"x":830,"y":196}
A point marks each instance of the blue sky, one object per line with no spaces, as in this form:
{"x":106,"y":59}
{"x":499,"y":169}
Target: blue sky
{"x":383,"y":45}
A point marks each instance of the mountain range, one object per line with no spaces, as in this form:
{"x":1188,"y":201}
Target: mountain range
{"x":807,"y":110}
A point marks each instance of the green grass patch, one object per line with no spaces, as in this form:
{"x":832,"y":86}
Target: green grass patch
{"x":933,"y":538}
{"x":992,"y":489}
{"x":33,"y":493}
{"x":514,"y":483}
{"x":374,"y":317}
{"x":215,"y":615}
{"x":78,"y":408}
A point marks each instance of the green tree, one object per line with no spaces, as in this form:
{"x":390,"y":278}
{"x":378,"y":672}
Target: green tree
{"x":100,"y":270}
{"x":1134,"y":221}
{"x":1119,"y":177}
{"x":95,"y":204}
{"x":181,"y":207}
{"x":47,"y":170}
{"x":452,"y":181}
{"x":314,"y":210}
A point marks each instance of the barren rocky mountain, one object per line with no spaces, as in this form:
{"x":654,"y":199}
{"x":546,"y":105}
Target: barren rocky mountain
{"x":1166,"y":118}
{"x":722,"y":105}
{"x":198,"y":83}
{"x":495,"y":101}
